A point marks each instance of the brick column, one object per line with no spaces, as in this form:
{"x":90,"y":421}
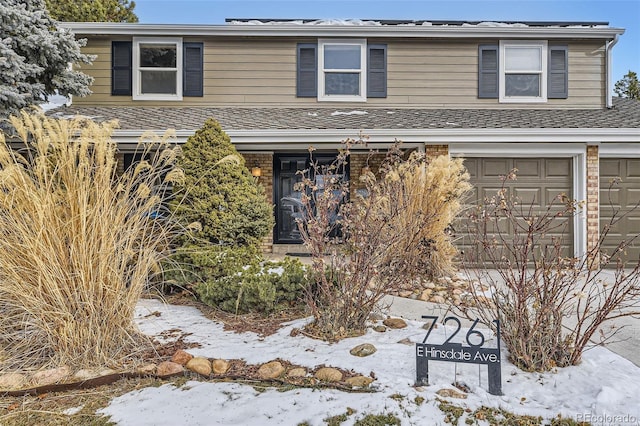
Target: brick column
{"x":433,"y":151}
{"x":357,"y":162}
{"x":265,"y":162}
{"x":593,"y":197}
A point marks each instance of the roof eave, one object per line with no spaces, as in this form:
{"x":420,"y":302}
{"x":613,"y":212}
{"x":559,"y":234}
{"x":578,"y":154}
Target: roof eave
{"x":292,"y":30}
{"x":302,"y":138}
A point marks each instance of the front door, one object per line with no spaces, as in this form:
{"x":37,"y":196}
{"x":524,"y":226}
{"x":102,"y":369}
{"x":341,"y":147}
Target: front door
{"x":287,"y":199}
{"x":288,"y":205}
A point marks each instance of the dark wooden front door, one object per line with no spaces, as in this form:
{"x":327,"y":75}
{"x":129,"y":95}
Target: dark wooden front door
{"x":287,"y":199}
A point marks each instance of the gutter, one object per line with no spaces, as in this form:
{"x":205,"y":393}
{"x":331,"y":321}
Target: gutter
{"x":608,"y":46}
{"x":291,"y":30}
{"x":258,"y":140}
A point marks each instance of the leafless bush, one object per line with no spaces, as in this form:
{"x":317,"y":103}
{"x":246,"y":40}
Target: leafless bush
{"x":550,"y":305}
{"x":79,"y":243}
{"x":383,"y":238}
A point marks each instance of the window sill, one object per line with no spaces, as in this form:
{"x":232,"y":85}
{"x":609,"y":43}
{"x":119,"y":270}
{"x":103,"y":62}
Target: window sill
{"x":522,"y":100}
{"x":157,"y":97}
{"x":340,"y":98}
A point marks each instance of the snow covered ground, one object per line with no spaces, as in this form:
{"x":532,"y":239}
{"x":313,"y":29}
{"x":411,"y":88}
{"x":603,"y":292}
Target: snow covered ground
{"x":604,"y":389}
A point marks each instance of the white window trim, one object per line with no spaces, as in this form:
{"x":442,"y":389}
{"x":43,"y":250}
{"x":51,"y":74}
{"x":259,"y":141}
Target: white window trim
{"x":137,"y":84}
{"x":543,"y":46}
{"x":363,"y":70}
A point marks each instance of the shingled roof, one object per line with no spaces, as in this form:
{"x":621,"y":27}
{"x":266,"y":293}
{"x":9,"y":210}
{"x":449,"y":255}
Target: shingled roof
{"x":625,"y":114}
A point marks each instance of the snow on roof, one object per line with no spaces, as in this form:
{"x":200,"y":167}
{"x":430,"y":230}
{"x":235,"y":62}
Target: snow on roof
{"x":355,"y":22}
{"x":370,"y":22}
{"x":349,"y":113}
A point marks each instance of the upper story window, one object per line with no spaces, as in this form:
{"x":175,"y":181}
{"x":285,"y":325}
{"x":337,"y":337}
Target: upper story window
{"x":341,"y":70}
{"x":523,"y":71}
{"x":342,"y":74}
{"x":157,"y":68}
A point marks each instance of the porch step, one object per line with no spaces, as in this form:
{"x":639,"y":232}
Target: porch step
{"x":290,"y":249}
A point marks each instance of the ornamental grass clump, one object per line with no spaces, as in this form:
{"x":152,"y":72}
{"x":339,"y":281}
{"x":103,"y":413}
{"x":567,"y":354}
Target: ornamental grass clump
{"x":79,"y":242}
{"x":384,"y":239}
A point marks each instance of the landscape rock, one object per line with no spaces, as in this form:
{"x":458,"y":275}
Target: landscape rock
{"x":91,"y":373}
{"x":395,"y":323}
{"x":380,"y":328}
{"x":438,"y":299}
{"x":199,"y":365}
{"x":406,"y":341}
{"x":405,"y":293}
{"x":328,"y":374}
{"x":426,"y":294}
{"x":169,"y":368}
{"x":450,"y":393}
{"x":297,"y":372}
{"x":363,"y":350}
{"x":220,"y":366}
{"x":51,"y":376}
{"x":181,"y":357}
{"x":147,"y":369}
{"x":10,"y":381}
{"x":270,"y":370}
{"x":359,"y":381}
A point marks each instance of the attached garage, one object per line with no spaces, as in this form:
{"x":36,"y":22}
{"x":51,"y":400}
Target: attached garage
{"x":539,"y":181}
{"x":620,"y":199}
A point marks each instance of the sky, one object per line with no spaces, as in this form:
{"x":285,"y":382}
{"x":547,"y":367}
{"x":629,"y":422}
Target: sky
{"x":619,"y":13}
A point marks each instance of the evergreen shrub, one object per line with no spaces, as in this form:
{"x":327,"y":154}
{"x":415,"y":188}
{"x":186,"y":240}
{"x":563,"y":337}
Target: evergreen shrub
{"x":241,"y":282}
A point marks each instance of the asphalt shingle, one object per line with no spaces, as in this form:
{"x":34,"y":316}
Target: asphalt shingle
{"x":624,"y":114}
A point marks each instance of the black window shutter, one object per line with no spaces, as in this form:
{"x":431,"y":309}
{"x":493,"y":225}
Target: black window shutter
{"x":121,"y":64}
{"x":488,"y":71}
{"x":192,"y":69}
{"x":377,"y":71}
{"x":307,"y":73}
{"x":558,"y":68}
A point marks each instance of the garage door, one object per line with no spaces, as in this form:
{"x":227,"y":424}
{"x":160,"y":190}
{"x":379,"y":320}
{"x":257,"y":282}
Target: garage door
{"x":622,"y":198}
{"x":539,"y":181}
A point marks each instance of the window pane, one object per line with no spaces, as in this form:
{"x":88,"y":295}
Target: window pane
{"x":342,"y":83}
{"x":341,"y":57}
{"x":522,"y":85}
{"x":163,"y":82}
{"x":158,"y":55}
{"x":523,"y":59}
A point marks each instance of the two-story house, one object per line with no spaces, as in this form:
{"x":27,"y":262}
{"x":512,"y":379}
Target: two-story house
{"x":534,"y":95}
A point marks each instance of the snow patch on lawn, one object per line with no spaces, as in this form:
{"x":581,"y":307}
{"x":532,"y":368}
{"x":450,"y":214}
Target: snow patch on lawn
{"x":605,"y":384}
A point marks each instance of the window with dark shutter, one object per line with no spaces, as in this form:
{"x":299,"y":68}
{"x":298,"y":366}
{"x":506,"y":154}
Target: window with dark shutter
{"x":121,"y":65}
{"x":307,"y":73}
{"x":377,"y":71}
{"x":192,"y":77}
{"x":558,"y":79}
{"x":488,"y":71}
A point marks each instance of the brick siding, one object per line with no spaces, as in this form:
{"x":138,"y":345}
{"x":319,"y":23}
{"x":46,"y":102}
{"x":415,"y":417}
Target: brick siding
{"x":265,"y":162}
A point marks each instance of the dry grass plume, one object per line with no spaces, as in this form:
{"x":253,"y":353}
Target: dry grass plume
{"x":78,"y":242}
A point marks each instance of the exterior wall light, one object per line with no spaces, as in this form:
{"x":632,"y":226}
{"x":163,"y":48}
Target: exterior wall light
{"x":256,"y":171}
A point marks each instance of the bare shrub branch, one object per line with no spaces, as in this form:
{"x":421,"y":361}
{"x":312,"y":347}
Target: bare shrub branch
{"x":380,"y":241}
{"x":550,"y":304}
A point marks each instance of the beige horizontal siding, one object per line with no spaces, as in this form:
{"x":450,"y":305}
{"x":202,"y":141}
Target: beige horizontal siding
{"x":430,"y":74}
